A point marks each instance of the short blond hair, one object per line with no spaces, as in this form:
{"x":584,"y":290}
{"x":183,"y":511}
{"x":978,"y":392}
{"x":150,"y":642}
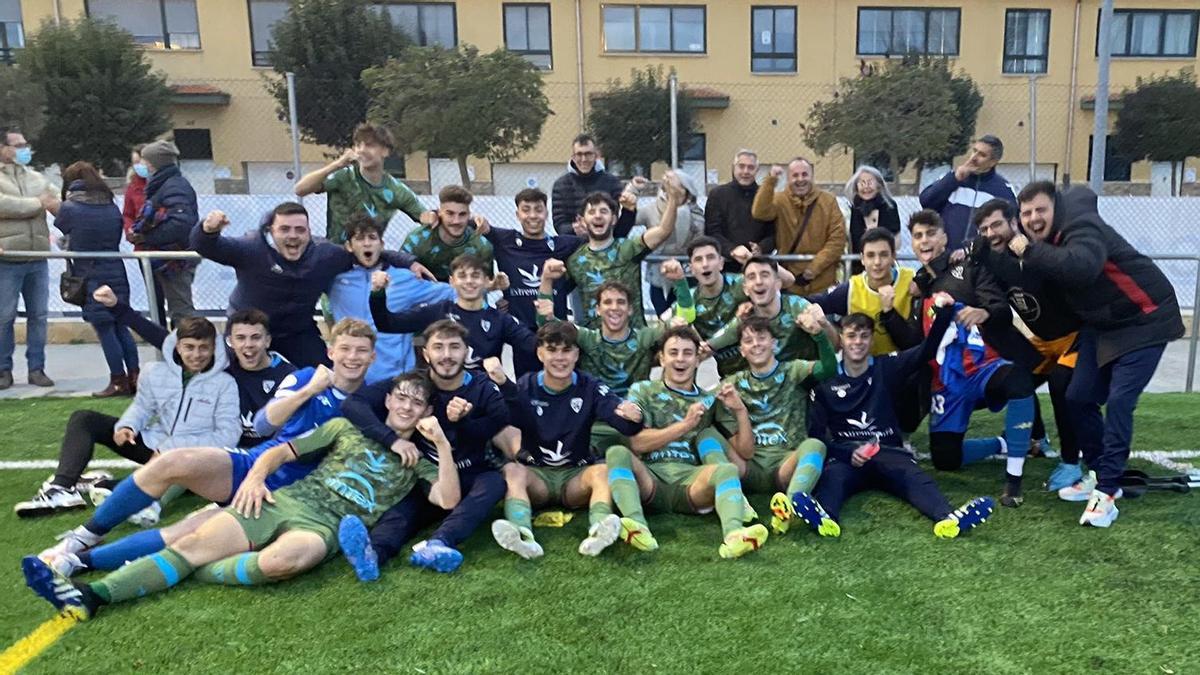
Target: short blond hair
{"x":352,"y":328}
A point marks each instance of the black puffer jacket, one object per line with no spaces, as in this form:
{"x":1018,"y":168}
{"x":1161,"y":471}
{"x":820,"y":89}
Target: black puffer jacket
{"x":572,"y":187}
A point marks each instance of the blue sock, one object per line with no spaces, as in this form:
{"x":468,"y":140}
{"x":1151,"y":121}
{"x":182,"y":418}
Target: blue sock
{"x":1018,"y":425}
{"x":127,"y":499}
{"x":112,"y":556}
{"x":976,"y":449}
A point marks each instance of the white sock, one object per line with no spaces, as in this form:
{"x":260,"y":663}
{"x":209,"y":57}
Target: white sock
{"x":1004,"y":449}
{"x":1016,"y":466}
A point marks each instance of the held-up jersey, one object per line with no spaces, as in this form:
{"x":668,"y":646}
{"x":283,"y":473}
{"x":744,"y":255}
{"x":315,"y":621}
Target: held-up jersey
{"x":556,"y":426}
{"x":316,"y":411}
{"x":792,"y":342}
{"x":435,"y":254}
{"x":522,"y":258}
{"x":962,"y":353}
{"x":488,"y":329}
{"x":663,"y":406}
{"x":713,"y":313}
{"x":621,"y":261}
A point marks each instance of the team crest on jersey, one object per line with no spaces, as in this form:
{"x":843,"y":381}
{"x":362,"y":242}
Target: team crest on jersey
{"x":1026,"y":305}
{"x":550,"y":243}
{"x":957,"y":272}
{"x":576,"y":404}
{"x":519,"y":242}
{"x":268,"y":385}
{"x":840,"y":389}
{"x":485,"y":325}
{"x":276,"y":269}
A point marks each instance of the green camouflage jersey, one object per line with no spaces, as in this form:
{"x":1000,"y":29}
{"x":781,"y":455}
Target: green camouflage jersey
{"x":437,"y":255}
{"x":619,"y":363}
{"x":777,"y":401}
{"x":792,"y":342}
{"x":621,"y":261}
{"x":663,"y":406}
{"x":347,"y":193}
{"x":713,"y":313}
{"x":357,"y":477}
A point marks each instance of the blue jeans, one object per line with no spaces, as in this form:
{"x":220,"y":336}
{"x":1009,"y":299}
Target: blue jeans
{"x":31,"y":281}
{"x":120,"y":351}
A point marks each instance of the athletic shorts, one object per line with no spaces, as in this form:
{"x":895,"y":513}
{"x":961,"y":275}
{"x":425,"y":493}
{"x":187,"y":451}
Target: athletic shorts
{"x":556,"y":479}
{"x":285,"y":515}
{"x":1061,"y":352}
{"x":671,"y":483}
{"x":951,"y":407}
{"x":604,"y":437}
{"x":762,"y":468}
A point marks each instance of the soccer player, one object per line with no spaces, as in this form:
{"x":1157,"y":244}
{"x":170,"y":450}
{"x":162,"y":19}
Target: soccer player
{"x":350,"y":293}
{"x":551,"y":412}
{"x":471,"y":411}
{"x":448,"y":233}
{"x":488,"y":329}
{"x":1053,"y":328}
{"x":1129,"y":314}
{"x":671,"y":470}
{"x":295,"y":529}
{"x":605,"y":257}
{"x":305,"y":400}
{"x":772,"y":452}
{"x":853,"y":411}
{"x":968,"y":372}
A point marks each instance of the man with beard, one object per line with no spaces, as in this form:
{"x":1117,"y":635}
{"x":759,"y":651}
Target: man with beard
{"x":727,"y":216}
{"x":1129,"y":314}
{"x":807,"y":220}
{"x":448,"y":233}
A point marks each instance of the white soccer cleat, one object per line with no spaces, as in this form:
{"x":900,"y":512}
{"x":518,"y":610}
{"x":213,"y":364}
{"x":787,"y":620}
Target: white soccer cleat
{"x":49,"y":499}
{"x":90,"y":478}
{"x":601,"y":535}
{"x":147,"y":517}
{"x":519,"y":540}
{"x":1101,"y":510}
{"x":72,"y":542}
{"x":1081,"y":491}
{"x":65,"y":564}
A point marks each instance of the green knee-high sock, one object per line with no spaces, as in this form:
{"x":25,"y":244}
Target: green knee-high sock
{"x":810,"y":457}
{"x":144,"y":576}
{"x":519,"y":513}
{"x":712,"y":447}
{"x":727,"y":493}
{"x":236,"y":570}
{"x":623,"y":484}
{"x":598,"y":511}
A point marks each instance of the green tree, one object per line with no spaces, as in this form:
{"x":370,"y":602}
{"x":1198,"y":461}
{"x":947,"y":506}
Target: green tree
{"x":458,"y":103}
{"x":632,"y":123}
{"x":22,"y":101}
{"x":101,"y":96}
{"x":1159,"y":120}
{"x":327,"y":44}
{"x":912,"y":112}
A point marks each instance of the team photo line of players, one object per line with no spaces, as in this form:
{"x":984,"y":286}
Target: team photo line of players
{"x":345,"y":456}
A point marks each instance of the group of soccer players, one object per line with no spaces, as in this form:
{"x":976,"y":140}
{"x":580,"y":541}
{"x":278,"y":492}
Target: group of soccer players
{"x":360,"y":467}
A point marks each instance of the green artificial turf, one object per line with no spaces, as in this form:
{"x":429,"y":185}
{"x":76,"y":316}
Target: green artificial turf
{"x":1029,"y":592}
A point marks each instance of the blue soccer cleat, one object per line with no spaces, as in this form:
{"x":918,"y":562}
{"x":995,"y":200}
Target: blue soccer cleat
{"x":967,"y":517}
{"x":814,"y":515}
{"x":68,"y":598}
{"x":435,"y":555}
{"x":356,"y":546}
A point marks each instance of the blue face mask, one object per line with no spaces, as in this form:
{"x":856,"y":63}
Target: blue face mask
{"x":141,"y":170}
{"x":23,"y":156}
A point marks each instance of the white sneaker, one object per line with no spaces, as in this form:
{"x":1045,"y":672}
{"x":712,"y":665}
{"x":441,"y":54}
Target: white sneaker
{"x":65,"y":564}
{"x":601,"y":535}
{"x":519,"y":540}
{"x":72,"y":542}
{"x":1081,"y":491}
{"x":147,"y":517}
{"x":90,"y":478}
{"x":1101,"y":510}
{"x":50,"y":499}
{"x":98,"y":494}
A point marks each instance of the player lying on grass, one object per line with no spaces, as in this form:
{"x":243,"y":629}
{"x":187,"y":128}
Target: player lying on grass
{"x":855,"y":412}
{"x":305,"y":400}
{"x":681,"y":462}
{"x":295,"y":527}
{"x":552,"y":412}
{"x":772,"y":453}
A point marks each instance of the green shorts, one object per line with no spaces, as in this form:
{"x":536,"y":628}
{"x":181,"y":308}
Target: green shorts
{"x":671,"y":483}
{"x":556,"y":479}
{"x":761,"y":470}
{"x":604,"y":437}
{"x":285,"y":515}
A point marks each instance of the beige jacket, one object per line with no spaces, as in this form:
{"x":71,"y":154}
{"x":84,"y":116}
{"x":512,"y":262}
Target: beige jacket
{"x":824,"y":238}
{"x":22,"y":217}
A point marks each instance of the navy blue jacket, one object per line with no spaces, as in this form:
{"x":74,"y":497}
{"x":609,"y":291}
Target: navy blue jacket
{"x":170,"y":211}
{"x":92,"y":222}
{"x":573,"y":187}
{"x":956,"y":202}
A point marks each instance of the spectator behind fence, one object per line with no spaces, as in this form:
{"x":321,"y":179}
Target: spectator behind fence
{"x":25,"y":197}
{"x":166,"y":218}
{"x":135,"y":191}
{"x":91,"y":222}
{"x":283,"y":271}
{"x":727,"y":215}
{"x":689,"y":224}
{"x":357,"y":183}
{"x":956,"y":195}
{"x":807,"y":221}
{"x":585,"y":175}
{"x":870,"y":205}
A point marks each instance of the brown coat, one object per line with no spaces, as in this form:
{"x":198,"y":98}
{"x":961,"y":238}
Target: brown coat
{"x":824,"y":237}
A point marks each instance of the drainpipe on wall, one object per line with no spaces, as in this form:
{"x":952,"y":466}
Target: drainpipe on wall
{"x":57,"y":12}
{"x":579,"y":59}
{"x":1072,"y":98}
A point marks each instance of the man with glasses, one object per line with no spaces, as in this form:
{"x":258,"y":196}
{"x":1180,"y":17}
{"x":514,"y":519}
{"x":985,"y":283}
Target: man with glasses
{"x":585,"y":175}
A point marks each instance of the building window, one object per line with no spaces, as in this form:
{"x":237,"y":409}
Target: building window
{"x":1116,"y":166}
{"x":1152,"y":33}
{"x":161,"y":24}
{"x":897,"y":31}
{"x":194,"y":143}
{"x":527,"y":32}
{"x":429,"y":24}
{"x":12,"y":33}
{"x":678,"y":29}
{"x":264,"y":14}
{"x":773,"y":39}
{"x":1026,"y":40}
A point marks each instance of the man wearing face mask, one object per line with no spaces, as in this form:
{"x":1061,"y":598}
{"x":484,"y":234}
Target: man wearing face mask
{"x":807,"y":220}
{"x":25,"y":197}
{"x":166,"y":218}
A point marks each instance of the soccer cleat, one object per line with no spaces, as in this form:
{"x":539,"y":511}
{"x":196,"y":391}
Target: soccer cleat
{"x":967,"y":517}
{"x":50,"y":499}
{"x":69,"y":598}
{"x":1101,"y":509}
{"x":742,"y":541}
{"x":637,"y":535}
{"x":147,"y":517}
{"x":1080,"y":490}
{"x":98,"y":493}
{"x":749,"y":515}
{"x":434,"y":554}
{"x":72,"y":541}
{"x":517,"y":539}
{"x":782,"y":513}
{"x":356,"y":547}
{"x":63,"y":564}
{"x":601,"y":535}
{"x":90,"y":478}
{"x":1041,"y":447}
{"x":1011,"y":496}
{"x":1064,"y":476}
{"x":814,"y":515}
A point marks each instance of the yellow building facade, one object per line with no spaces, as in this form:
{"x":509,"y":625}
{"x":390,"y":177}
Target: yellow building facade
{"x":755,"y":68}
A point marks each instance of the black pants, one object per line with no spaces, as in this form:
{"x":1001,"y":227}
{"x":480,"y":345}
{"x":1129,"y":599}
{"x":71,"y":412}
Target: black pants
{"x":891,"y":470}
{"x":1007,"y":383}
{"x":1058,"y":379}
{"x":305,"y":348}
{"x":85,"y":429}
{"x":481,"y":492}
{"x":911,"y":400}
{"x":661,"y":299}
